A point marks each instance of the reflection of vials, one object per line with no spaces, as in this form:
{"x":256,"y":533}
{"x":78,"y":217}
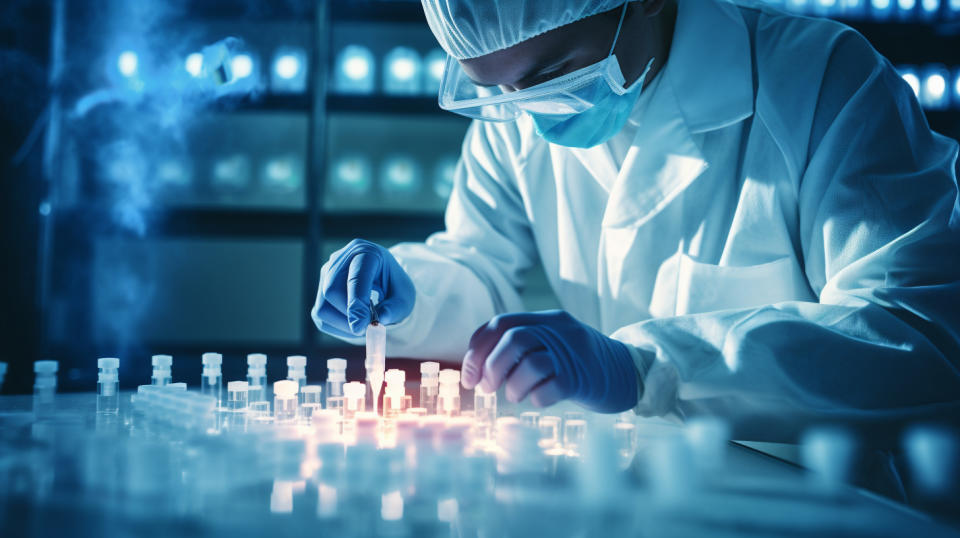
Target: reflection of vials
{"x":352,"y":175}
{"x":289,"y":71}
{"x":433,"y":71}
{"x":174,"y":173}
{"x":355,"y":70}
{"x":443,"y":176}
{"x":401,"y":72}
{"x":231,"y":173}
{"x":282,"y":174}
{"x":934,"y":90}
{"x":400,"y":175}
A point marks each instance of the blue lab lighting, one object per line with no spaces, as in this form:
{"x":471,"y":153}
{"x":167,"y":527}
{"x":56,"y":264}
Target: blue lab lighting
{"x":127,"y":63}
{"x":194,"y":64}
{"x":242,"y":66}
{"x":287,"y":66}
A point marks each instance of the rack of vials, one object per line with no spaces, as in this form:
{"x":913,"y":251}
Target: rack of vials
{"x":426,"y":458}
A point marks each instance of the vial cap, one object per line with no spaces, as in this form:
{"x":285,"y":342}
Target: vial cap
{"x":108,"y":364}
{"x":45,"y":367}
{"x":285,"y":388}
{"x":310,"y":389}
{"x":161,"y":361}
{"x":449,"y":377}
{"x":429,"y":368}
{"x":237,"y":386}
{"x":395,"y":377}
{"x":212,"y":359}
{"x":298,"y":361}
{"x":354,"y":389}
{"x":336,"y":364}
{"x":256,"y":359}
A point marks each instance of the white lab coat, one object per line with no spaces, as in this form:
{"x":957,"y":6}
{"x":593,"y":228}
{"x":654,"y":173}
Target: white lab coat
{"x":776,"y":255}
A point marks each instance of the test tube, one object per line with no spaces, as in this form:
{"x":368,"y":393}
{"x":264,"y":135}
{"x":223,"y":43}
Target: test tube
{"x":574,"y":433}
{"x":257,"y":377}
{"x":484,"y":411}
{"x":549,"y":432}
{"x":376,"y":359}
{"x":448,"y":402}
{"x":108,"y":398}
{"x":393,"y":397}
{"x":237,"y":397}
{"x":211,"y":381}
{"x":297,"y":370}
{"x":336,"y":377}
{"x":530,"y":418}
{"x":44,"y":387}
{"x":161,"y":370}
{"x":285,"y":401}
{"x":310,"y":396}
{"x":429,"y":386}
{"x":354,"y":394}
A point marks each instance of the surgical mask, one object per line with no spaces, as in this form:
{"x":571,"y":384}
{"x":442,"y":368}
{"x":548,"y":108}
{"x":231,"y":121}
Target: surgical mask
{"x":610,"y":102}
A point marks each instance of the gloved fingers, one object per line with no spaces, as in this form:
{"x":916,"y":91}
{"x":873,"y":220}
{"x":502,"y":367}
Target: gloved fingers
{"x":364,"y":267}
{"x":546,"y":394}
{"x":393,"y":310}
{"x":511,"y":349}
{"x":534,"y":369}
{"x":487,"y":336}
{"x":332,"y":321}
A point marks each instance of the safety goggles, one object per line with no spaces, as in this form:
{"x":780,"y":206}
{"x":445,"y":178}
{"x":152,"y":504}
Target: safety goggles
{"x":568,"y":94}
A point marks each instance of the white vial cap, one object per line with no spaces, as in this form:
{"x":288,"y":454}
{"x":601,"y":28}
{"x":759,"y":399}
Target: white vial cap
{"x":45,"y":367}
{"x":285,"y":388}
{"x":257,"y":360}
{"x":212,"y":359}
{"x":395,"y":377}
{"x":429,"y":368}
{"x":336,"y":364}
{"x":354,"y":389}
{"x":238,"y":386}
{"x":108,"y":364}
{"x":161,"y":361}
{"x":297,"y":361}
{"x":449,"y":377}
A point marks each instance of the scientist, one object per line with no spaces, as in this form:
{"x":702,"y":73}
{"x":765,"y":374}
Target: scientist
{"x":742,"y":212}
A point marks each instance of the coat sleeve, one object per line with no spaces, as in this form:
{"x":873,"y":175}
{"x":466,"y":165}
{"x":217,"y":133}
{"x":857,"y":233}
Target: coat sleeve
{"x":473,"y":269}
{"x":878,"y":220}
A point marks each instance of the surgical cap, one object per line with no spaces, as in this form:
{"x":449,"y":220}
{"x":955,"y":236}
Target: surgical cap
{"x":472,"y":28}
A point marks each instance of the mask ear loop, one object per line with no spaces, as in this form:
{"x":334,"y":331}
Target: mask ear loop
{"x":623,"y":14}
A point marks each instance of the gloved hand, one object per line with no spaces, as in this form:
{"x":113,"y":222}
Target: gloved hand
{"x":346,"y":280}
{"x":550,"y":356}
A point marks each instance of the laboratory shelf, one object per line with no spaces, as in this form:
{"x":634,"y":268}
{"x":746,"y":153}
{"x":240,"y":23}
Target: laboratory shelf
{"x":384,"y":104}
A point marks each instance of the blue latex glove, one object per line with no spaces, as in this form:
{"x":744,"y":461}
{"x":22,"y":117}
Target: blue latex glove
{"x":550,"y":356}
{"x":346,"y":280}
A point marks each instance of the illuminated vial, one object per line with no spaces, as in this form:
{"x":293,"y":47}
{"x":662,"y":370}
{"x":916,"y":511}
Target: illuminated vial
{"x":289,"y":73}
{"x":282,"y":174}
{"x":297,"y":370}
{"x":905,"y":8}
{"x":448,"y":402}
{"x":355,"y":70}
{"x":259,"y":413}
{"x":127,"y":63}
{"x":929,"y":8}
{"x":574,"y":433}
{"x":394,"y":393}
{"x":257,"y":377}
{"x":161,"y":370}
{"x":310,"y":402}
{"x":934,"y":93}
{"x":352,"y":175}
{"x":400,"y":175}
{"x":376,"y":359}
{"x":211,"y":380}
{"x":232,"y":173}
{"x":549,"y":432}
{"x":530,"y":418}
{"x":881,"y":9}
{"x":193,"y":64}
{"x":44,"y":387}
{"x":236,"y":412}
{"x":285,"y":401}
{"x":829,"y":452}
{"x":242,"y":66}
{"x":401,"y":72}
{"x":353,"y":399}
{"x":3,"y":373}
{"x":336,"y":377}
{"x":484,"y":412}
{"x":429,"y":386}
{"x":108,"y":395}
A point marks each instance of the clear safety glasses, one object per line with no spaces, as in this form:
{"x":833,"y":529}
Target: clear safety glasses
{"x":568,"y":94}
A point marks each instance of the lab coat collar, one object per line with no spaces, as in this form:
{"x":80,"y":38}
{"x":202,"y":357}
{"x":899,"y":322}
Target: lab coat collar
{"x":710,"y":64}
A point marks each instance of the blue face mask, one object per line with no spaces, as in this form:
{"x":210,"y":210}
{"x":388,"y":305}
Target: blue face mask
{"x":610,"y":107}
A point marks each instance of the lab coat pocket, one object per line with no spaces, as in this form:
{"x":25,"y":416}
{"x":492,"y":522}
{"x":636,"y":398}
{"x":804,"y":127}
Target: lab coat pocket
{"x":686,"y":286}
